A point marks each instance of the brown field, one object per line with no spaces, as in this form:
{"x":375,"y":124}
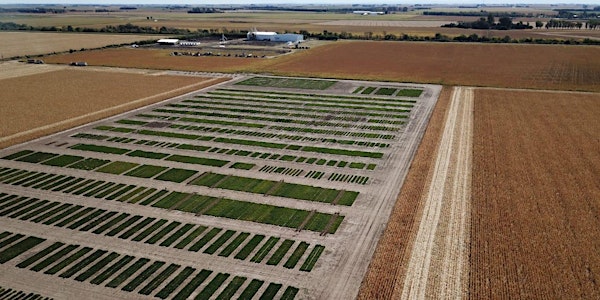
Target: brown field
{"x":536,"y":196}
{"x":388,"y":266}
{"x":156,"y":59}
{"x":500,"y":65}
{"x":40,"y":104}
{"x":34,"y":43}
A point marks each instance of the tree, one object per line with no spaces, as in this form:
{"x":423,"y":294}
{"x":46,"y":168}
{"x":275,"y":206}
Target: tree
{"x":490,"y":19}
{"x":539,"y":24}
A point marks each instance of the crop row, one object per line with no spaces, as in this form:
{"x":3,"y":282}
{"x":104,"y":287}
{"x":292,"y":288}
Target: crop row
{"x":283,"y":111}
{"x":315,"y":174}
{"x":253,"y":154}
{"x":10,"y":294}
{"x":209,"y":179}
{"x":255,"y":143}
{"x":149,"y":230}
{"x":294,"y":83}
{"x":281,"y":170}
{"x":325,"y":96}
{"x":192,"y":203}
{"x":279,"y":136}
{"x":141,"y":275}
{"x":312,"y":103}
{"x":280,"y":108}
{"x":282,"y":119}
{"x":348,"y":178}
{"x":275,"y":188}
{"x":385,"y":91}
{"x":13,"y":245}
{"x":321,"y":98}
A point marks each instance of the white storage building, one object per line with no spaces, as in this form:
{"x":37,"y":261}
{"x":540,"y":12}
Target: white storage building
{"x":274,"y":36}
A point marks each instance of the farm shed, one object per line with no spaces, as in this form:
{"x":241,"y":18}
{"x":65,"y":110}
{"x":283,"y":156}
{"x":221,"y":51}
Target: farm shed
{"x":274,"y":36}
{"x":168,"y":41}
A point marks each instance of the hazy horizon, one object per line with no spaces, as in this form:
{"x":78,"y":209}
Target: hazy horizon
{"x":306,"y":2}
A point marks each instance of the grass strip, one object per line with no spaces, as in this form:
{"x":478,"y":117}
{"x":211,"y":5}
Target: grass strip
{"x":127,"y":273}
{"x":123,"y":225}
{"x":231,"y":288}
{"x":145,"y":171}
{"x":175,"y":283}
{"x":89,"y":164}
{"x":175,"y":236}
{"x":249,"y":247}
{"x":234,"y":244}
{"x":219,"y":242}
{"x":156,"y":281}
{"x":155,"y":238}
{"x":296,"y":255}
{"x":149,"y":230}
{"x":176,"y":175}
{"x":280,"y":252}
{"x":136,"y":228}
{"x":190,"y":237}
{"x":147,"y":154}
{"x":342,"y":152}
{"x":133,"y":284}
{"x":63,"y":160}
{"x":37,"y":157}
{"x":264,"y":250}
{"x":111,"y":223}
{"x":100,"y":149}
{"x":187,"y":290}
{"x":87,"y":218}
{"x":289,"y":293}
{"x":54,"y":257}
{"x":251,"y":289}
{"x":96,"y":267}
{"x":198,"y":160}
{"x":212,"y":286}
{"x":67,"y":261}
{"x":205,"y":239}
{"x":39,"y":255}
{"x":117,"y":167}
{"x":312,"y":258}
{"x":271,"y":291}
{"x":83,"y":263}
{"x":111,"y":270}
{"x":19,"y":248}
{"x":97,"y":221}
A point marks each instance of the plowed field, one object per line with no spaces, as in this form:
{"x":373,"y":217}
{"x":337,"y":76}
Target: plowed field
{"x":536,"y":196}
{"x":35,"y":105}
{"x":155,"y":59}
{"x":505,"y":65}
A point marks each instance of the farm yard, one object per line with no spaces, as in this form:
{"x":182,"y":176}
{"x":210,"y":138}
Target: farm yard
{"x":258,"y":187}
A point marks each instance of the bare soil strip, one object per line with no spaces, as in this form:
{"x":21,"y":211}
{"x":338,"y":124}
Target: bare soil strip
{"x":388,"y":266}
{"x":441,"y":238}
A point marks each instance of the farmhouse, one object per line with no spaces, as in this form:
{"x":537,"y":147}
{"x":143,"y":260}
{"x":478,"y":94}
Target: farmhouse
{"x":271,"y":36}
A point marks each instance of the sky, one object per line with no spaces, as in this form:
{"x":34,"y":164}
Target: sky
{"x":260,"y":2}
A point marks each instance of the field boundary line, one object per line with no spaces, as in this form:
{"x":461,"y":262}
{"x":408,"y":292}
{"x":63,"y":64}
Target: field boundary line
{"x":441,"y":237}
{"x":108,"y":110}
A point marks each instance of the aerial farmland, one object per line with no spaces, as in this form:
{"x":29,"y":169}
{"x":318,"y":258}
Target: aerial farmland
{"x":260,"y":185}
{"x":377,"y":159}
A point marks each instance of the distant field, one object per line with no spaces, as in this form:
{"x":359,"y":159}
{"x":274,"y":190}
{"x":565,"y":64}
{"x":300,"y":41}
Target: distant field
{"x":505,"y":65}
{"x":156,"y":59}
{"x":33,"y":43}
{"x":64,"y":94}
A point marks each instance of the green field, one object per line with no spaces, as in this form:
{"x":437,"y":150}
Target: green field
{"x":294,"y":83}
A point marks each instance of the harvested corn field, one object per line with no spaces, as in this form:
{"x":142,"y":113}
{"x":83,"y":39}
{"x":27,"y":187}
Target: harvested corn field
{"x":34,"y":43}
{"x":38,"y":104}
{"x":536,"y":195}
{"x":155,"y":59}
{"x":499,"y":65}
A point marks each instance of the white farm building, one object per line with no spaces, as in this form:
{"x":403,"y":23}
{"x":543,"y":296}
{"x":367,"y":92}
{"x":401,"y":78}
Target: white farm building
{"x":274,"y":36}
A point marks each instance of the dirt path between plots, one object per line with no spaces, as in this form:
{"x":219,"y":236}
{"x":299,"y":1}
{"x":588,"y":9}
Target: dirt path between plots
{"x":440,"y":254}
{"x":388,"y":266}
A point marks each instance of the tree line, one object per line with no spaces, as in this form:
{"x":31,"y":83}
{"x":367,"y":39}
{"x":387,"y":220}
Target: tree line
{"x":504,"y":23}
